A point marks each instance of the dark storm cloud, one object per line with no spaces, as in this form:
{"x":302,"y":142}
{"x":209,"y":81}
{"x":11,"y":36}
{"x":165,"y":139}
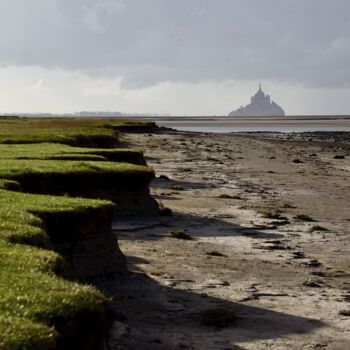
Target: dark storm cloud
{"x":190,"y":40}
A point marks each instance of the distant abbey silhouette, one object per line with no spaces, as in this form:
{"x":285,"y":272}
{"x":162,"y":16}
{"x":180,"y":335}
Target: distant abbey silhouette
{"x":260,"y":105}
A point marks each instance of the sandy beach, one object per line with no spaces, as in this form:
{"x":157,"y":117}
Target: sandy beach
{"x":245,"y":200}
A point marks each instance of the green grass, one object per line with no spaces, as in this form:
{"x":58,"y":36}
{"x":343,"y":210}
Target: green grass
{"x":33,"y":300}
{"x":131,"y":125}
{"x":20,"y":214}
{"x":57,"y":169}
{"x":185,"y":169}
{"x":180,"y":235}
{"x":319,"y":228}
{"x":303,"y":217}
{"x":72,"y":131}
{"x":54,"y":151}
{"x":74,"y":177}
{"x":36,"y":305}
{"x":176,"y":187}
{"x":58,"y":130}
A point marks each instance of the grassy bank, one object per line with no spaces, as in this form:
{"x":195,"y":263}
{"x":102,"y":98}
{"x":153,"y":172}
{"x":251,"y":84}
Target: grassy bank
{"x":39,"y":309}
{"x":75,"y":177}
{"x":35,"y":304}
{"x":55,"y":168}
{"x":86,"y":132}
{"x":55,"y":151}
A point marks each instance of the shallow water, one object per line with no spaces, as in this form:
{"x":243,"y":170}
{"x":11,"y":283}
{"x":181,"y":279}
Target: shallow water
{"x":230,"y":128}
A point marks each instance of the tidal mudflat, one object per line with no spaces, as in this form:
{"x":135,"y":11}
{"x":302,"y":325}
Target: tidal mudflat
{"x":268,"y":217}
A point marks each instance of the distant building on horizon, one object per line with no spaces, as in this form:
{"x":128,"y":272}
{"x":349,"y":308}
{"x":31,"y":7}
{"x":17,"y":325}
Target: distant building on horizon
{"x":260,"y":105}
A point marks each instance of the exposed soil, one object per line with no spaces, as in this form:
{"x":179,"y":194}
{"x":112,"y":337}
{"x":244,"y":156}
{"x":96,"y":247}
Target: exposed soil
{"x":288,"y":284}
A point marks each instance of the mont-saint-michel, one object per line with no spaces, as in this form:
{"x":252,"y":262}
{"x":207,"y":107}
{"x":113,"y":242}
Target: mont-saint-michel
{"x":260,"y":105}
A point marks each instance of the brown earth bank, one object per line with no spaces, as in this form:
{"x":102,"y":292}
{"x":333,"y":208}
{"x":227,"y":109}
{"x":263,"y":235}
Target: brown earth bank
{"x":245,"y":200}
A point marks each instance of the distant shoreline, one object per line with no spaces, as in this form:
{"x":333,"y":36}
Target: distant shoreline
{"x":226,"y":124}
{"x":229,"y":118}
{"x":257,"y":124}
{"x":119,"y":115}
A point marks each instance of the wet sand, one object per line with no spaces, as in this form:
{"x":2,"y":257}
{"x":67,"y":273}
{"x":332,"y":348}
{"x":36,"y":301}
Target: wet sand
{"x":287,"y":281}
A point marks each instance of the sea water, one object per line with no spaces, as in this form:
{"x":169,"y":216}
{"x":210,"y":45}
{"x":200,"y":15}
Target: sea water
{"x":231,"y":128}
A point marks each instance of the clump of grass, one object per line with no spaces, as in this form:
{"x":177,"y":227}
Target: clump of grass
{"x":228,"y":196}
{"x":303,"y":217}
{"x":156,"y":273}
{"x":215,"y":253}
{"x":270,"y":214}
{"x":212,"y":159}
{"x":288,"y":205}
{"x":180,"y":235}
{"x":176,"y":187}
{"x":219,"y":317}
{"x":185,"y":169}
{"x":318,"y":228}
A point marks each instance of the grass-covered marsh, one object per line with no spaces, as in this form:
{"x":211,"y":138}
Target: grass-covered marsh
{"x":56,"y":151}
{"x":58,"y":168}
{"x":71,"y":131}
{"x":37,"y":307}
{"x":73,"y":177}
{"x":33,"y":300}
{"x":28,"y":130}
{"x":20,"y":214}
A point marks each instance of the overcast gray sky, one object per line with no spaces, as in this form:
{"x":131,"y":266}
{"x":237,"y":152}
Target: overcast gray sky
{"x":174,"y":56}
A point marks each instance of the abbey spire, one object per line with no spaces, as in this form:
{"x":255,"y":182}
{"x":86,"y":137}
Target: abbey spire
{"x":260,"y":105}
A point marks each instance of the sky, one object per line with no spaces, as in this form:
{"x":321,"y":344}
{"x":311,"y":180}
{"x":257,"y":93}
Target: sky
{"x":177,"y":57}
